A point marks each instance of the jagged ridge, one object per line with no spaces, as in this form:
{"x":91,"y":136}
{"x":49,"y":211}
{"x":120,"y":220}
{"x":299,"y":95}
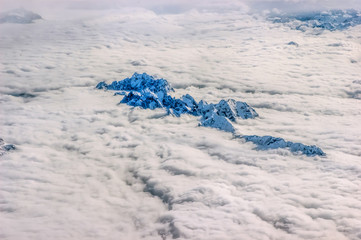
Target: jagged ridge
{"x":269,"y":142}
{"x":147,"y":92}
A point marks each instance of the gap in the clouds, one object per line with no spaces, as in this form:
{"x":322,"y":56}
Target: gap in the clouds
{"x":142,"y":90}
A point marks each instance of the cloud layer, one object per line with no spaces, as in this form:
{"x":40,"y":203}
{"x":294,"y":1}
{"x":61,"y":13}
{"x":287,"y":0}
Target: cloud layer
{"x":177,"y":6}
{"x":87,"y":168}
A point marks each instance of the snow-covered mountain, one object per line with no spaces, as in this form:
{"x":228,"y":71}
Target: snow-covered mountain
{"x":147,"y":92}
{"x":331,"y":20}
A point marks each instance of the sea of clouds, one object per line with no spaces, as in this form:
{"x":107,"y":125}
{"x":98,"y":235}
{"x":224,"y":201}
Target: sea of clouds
{"x":86,"y":167}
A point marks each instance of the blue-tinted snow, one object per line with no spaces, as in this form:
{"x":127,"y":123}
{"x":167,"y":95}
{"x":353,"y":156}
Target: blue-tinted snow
{"x":147,"y":92}
{"x":331,"y":20}
{"x":19,"y":15}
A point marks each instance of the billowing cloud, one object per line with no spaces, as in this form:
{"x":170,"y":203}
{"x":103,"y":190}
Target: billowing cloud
{"x":302,"y":5}
{"x":176,"y":6}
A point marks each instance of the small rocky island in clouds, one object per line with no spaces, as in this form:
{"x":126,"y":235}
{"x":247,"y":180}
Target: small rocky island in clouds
{"x":142,"y":90}
{"x":4,"y":147}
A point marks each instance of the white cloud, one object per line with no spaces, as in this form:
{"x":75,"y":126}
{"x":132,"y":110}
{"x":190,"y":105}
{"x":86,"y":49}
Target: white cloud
{"x":176,"y":6}
{"x":303,"y":5}
{"x":87,"y":168}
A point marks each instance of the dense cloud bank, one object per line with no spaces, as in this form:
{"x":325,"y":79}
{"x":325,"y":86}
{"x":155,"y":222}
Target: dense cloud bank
{"x":181,"y":6}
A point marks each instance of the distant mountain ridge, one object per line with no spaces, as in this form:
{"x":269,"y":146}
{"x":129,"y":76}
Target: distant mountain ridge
{"x":142,"y":90}
{"x":330,"y":20}
{"x":19,"y":15}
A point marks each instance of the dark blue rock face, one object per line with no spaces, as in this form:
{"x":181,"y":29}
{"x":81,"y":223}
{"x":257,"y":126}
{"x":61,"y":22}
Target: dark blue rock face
{"x":139,"y":83}
{"x":292,"y":43}
{"x":269,"y":142}
{"x":142,"y":90}
{"x":4,"y":148}
{"x":232,"y":110}
{"x":146,"y":99}
{"x":330,"y":20}
{"x":177,"y":107}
